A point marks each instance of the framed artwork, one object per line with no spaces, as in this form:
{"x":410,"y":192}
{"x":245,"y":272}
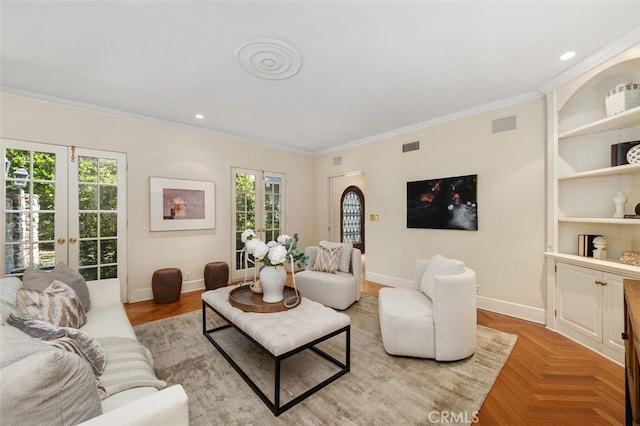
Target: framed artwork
{"x":445,"y":203}
{"x":180,"y":204}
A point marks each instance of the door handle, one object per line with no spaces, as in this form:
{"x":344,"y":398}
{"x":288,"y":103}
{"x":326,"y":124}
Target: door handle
{"x":60,"y":240}
{"x":72,"y":240}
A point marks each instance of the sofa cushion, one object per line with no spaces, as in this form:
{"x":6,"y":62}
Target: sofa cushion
{"x":16,"y":345}
{"x":8,"y":289}
{"x":129,"y":365}
{"x":37,"y":279}
{"x":65,"y":338}
{"x":327,"y":259}
{"x":345,"y":254}
{"x":57,"y":304}
{"x":439,"y":265}
{"x":52,"y":388}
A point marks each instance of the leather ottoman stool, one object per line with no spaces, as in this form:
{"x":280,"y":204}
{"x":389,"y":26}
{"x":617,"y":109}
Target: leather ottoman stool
{"x":216,"y":275}
{"x":166,"y":285}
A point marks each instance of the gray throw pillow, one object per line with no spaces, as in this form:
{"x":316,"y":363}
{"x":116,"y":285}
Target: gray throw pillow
{"x":36,"y":279}
{"x":48,"y":388}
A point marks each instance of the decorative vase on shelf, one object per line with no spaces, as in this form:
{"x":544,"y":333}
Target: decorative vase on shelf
{"x":273,"y":279}
{"x":619,"y":200}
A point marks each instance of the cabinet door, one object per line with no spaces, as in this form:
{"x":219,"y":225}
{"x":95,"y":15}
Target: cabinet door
{"x":613,"y":311}
{"x":579,"y":304}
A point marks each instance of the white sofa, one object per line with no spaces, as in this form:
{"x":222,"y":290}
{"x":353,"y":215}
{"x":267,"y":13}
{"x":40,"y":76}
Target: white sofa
{"x":437,"y":319}
{"x":107,"y":318}
{"x":337,"y":290}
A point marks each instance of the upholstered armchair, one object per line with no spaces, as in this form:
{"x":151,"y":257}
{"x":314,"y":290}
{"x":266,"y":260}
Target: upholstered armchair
{"x":436,"y":319}
{"x":333,"y":280}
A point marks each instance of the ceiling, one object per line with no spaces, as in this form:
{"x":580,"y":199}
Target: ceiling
{"x":367,"y":68}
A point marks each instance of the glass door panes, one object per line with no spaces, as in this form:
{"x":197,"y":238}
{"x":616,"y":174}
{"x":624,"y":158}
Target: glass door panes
{"x":352,"y":217}
{"x":34,"y":184}
{"x":272,"y":207}
{"x":259,"y":205}
{"x":100,"y":223}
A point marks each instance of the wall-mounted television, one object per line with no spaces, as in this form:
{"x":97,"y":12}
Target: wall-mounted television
{"x":445,"y":203}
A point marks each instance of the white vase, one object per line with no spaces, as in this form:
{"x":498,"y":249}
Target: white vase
{"x":273,"y":279}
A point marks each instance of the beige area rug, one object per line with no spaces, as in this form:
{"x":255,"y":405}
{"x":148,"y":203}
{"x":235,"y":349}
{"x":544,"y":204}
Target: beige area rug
{"x":380,"y":389}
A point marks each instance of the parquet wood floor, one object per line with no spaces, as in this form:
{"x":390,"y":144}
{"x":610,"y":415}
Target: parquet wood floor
{"x":547,"y":380}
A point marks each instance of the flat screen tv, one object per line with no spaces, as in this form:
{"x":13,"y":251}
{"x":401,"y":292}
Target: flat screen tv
{"x":445,"y":203}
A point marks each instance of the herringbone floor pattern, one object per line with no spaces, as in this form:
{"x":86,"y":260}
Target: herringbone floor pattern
{"x":547,"y":380}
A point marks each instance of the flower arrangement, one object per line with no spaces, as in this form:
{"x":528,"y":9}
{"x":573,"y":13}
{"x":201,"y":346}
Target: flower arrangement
{"x":274,"y":253}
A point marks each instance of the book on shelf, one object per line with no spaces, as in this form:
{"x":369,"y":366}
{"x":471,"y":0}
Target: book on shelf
{"x":585,"y":244}
{"x":632,"y":216}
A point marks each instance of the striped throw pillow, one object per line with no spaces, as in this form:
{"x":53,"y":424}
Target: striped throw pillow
{"x":327,"y":259}
{"x":57,"y":304}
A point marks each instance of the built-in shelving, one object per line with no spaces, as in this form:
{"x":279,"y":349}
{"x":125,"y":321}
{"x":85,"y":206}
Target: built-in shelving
{"x":600,"y":220}
{"x":624,"y":119}
{"x":607,"y":265}
{"x":607,"y":171}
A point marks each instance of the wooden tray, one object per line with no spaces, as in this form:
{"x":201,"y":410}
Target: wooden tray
{"x":246,"y":300}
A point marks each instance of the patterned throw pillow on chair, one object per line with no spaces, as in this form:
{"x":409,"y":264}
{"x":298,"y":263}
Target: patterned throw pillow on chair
{"x":327,"y":259}
{"x":58,"y":304}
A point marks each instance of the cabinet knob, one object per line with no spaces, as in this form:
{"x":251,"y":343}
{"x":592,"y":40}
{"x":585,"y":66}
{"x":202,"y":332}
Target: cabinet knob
{"x":624,"y":336}
{"x":602,"y":283}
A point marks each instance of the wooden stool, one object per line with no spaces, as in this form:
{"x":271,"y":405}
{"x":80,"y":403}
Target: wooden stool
{"x":216,"y":275}
{"x":166,"y":285}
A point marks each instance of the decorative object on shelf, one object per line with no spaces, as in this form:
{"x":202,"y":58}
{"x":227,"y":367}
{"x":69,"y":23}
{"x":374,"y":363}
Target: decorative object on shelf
{"x":586,"y":244}
{"x":600,"y":245}
{"x":619,"y":152}
{"x":637,"y":209}
{"x":621,"y":98}
{"x":274,"y":255}
{"x":620,"y":200}
{"x":630,"y":258}
{"x":633,"y":155}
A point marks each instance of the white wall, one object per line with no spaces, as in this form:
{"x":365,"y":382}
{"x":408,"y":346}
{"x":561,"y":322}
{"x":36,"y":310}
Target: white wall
{"x":507,"y":250}
{"x":160,"y":150}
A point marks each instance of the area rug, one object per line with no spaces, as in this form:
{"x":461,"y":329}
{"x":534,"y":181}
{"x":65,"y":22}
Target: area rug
{"x":380,"y":389}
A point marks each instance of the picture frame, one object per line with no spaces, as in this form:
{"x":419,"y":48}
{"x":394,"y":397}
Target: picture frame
{"x":181,"y":204}
{"x":443,"y":203}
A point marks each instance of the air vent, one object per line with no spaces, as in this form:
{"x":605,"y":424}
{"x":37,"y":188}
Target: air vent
{"x":411,"y":146}
{"x":337,"y":160}
{"x":504,"y":124}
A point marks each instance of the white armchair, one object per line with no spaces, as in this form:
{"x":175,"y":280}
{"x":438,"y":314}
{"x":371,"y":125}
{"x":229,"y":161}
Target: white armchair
{"x":435,"y":320}
{"x":337,"y":290}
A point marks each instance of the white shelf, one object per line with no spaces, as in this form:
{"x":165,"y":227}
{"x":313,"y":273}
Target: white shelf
{"x":600,"y":220}
{"x":624,"y":119}
{"x":607,"y":265}
{"x":608,"y":171}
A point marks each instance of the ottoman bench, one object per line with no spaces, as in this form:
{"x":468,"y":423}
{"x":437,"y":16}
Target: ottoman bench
{"x":280,"y":335}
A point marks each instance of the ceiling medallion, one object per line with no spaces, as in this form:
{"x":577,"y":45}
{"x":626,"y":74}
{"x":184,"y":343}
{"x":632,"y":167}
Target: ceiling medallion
{"x":270,"y":59}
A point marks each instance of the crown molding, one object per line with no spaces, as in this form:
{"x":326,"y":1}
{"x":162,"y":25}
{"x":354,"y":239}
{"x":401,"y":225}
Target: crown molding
{"x":627,"y":41}
{"x":144,"y":118}
{"x":440,"y":120}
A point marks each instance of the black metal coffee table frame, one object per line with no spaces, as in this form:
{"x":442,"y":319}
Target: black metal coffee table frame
{"x":275,"y":406}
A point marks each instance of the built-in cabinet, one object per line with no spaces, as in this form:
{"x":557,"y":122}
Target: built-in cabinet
{"x":590,"y":308}
{"x":581,"y":186}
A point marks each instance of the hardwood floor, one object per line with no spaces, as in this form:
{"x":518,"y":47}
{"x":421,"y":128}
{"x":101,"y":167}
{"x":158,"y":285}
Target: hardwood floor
{"x":547,"y":380}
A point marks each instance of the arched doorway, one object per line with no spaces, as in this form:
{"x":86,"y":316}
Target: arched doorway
{"x":352,"y":217}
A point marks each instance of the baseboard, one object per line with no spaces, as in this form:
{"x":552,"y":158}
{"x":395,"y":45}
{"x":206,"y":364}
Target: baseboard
{"x":515,"y":310}
{"x":147,"y":293}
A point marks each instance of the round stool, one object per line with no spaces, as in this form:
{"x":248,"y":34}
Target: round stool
{"x":166,"y":285}
{"x":216,"y":275}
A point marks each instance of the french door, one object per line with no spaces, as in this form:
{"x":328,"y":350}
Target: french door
{"x":352,"y":217}
{"x":259,"y":205}
{"x":64,"y":204}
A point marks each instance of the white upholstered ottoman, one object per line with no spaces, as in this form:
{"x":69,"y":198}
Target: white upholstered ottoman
{"x":280,"y":335}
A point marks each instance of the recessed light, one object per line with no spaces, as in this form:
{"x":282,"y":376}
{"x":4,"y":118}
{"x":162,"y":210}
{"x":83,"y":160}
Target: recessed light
{"x":199,"y":116}
{"x":567,"y":55}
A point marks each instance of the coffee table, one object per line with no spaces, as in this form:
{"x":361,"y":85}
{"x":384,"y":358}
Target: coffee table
{"x":279,"y":335}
